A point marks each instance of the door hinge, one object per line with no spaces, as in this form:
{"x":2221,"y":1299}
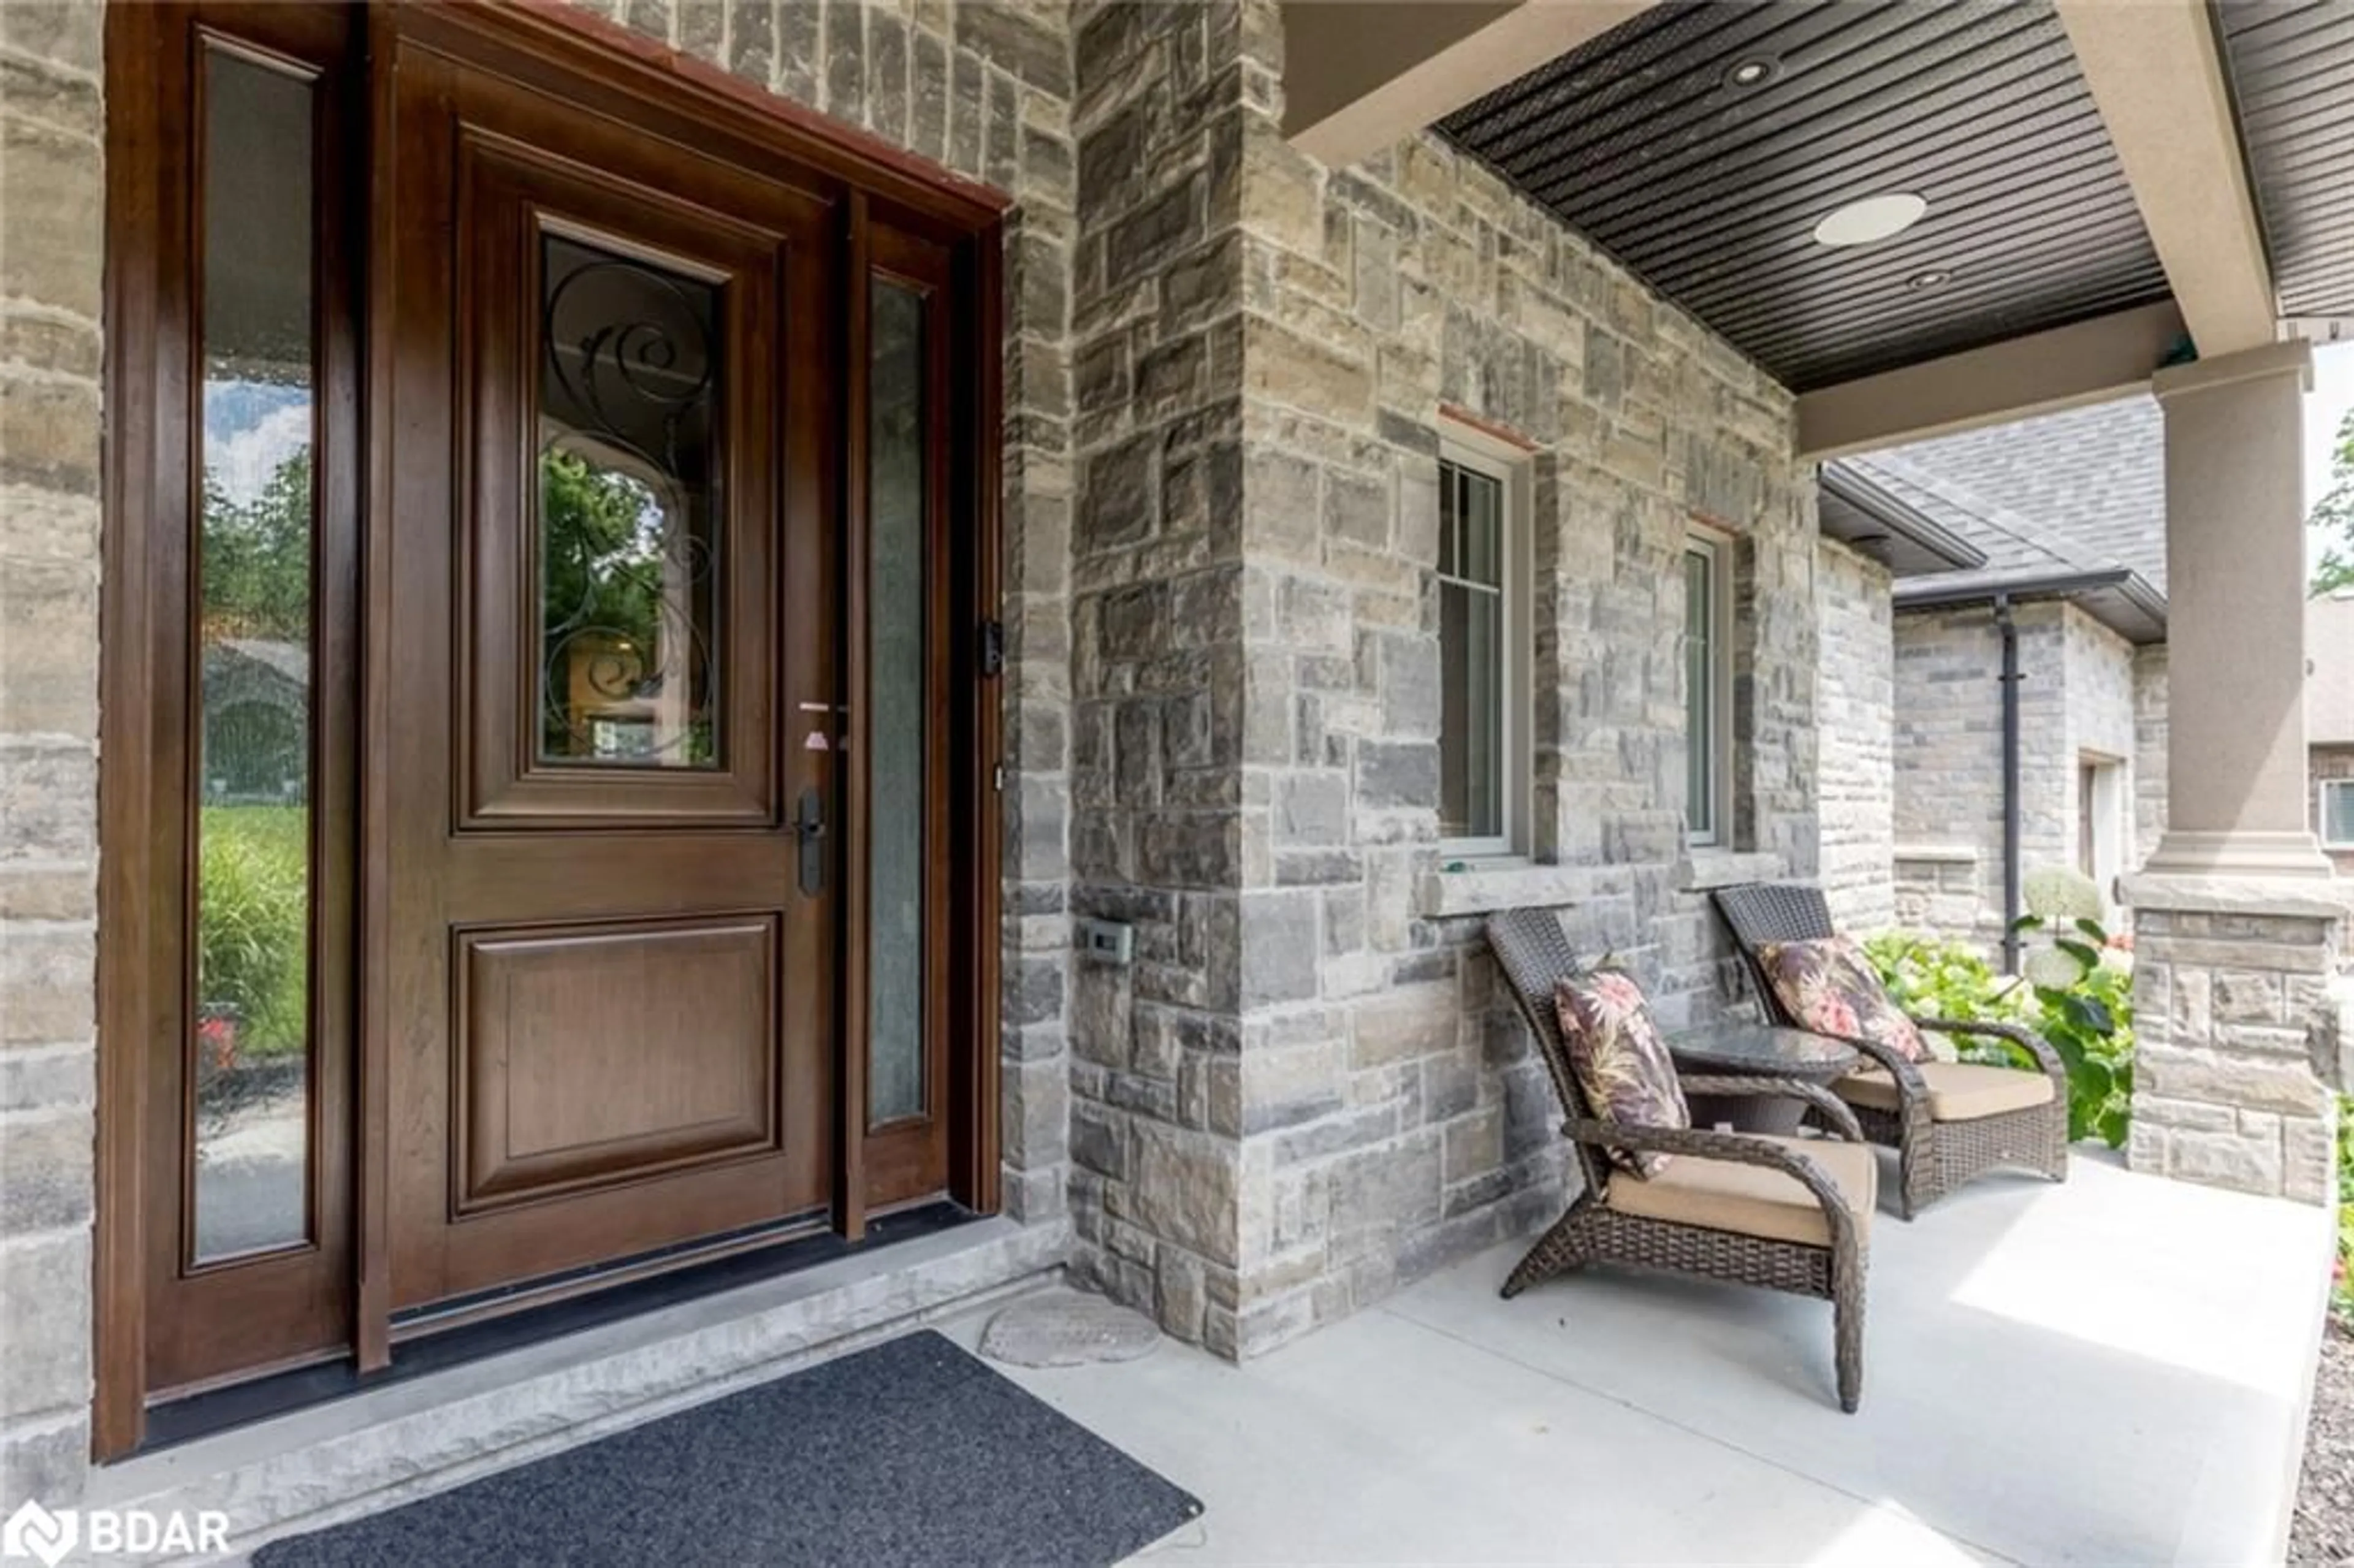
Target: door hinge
{"x":992,"y":648}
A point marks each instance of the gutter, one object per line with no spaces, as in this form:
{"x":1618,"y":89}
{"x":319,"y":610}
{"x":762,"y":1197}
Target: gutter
{"x":1901,"y":516}
{"x":2012,"y":872}
{"x":2017,"y":590}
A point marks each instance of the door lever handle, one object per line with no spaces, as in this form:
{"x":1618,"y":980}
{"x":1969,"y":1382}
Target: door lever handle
{"x":809,"y":822}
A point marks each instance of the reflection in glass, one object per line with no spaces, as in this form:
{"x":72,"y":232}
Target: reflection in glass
{"x":628,"y":511}
{"x":1470,"y":654}
{"x":894,"y":707}
{"x":252,"y":1023}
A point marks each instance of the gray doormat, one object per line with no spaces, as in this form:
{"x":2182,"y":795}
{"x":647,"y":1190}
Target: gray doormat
{"x":912,"y":1452}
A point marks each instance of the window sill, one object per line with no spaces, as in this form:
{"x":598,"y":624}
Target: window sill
{"x":1702,"y":869}
{"x":1487,"y":886}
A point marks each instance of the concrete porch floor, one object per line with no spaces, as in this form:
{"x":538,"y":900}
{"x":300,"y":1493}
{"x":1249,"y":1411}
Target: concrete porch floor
{"x":2114,"y":1371}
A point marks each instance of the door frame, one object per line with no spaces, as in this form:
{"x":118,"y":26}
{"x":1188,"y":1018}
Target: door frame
{"x":698,"y":104}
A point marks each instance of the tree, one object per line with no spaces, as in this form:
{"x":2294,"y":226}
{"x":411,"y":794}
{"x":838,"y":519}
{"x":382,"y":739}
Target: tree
{"x":2333,"y":516}
{"x":256,"y":557}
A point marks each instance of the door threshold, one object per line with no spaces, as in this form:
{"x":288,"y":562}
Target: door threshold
{"x":389,"y":1443}
{"x":476,"y":1334}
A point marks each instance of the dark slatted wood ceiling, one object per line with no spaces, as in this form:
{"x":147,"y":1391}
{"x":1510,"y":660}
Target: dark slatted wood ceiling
{"x":1710,"y":192}
{"x":2292,"y":64}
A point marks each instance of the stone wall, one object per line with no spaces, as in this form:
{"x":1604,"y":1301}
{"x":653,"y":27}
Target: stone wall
{"x":2082,"y":695}
{"x":2150,"y":750}
{"x":51,"y":243}
{"x":2237,"y":1039}
{"x":1394,"y":1117}
{"x":1158,"y":666}
{"x":2331,"y":762}
{"x":1856,"y":707}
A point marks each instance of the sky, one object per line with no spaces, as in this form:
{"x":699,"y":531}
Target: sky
{"x":2325,"y":408}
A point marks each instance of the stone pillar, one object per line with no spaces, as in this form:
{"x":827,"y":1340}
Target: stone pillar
{"x":51,"y":206}
{"x":2239,"y":928}
{"x":2235,"y":616}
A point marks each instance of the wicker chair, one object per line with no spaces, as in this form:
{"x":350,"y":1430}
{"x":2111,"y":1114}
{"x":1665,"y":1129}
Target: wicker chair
{"x":1944,"y":1133}
{"x":1813,"y":1238}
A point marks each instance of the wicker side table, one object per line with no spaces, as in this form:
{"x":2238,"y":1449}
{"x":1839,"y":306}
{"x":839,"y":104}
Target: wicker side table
{"x":1757,"y":1051}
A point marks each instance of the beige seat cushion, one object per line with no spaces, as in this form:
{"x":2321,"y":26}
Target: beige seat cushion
{"x":1958,"y":1091}
{"x":1754,"y":1200}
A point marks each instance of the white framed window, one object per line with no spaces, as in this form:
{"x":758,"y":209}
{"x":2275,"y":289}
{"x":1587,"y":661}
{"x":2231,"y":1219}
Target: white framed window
{"x":2337,"y":813}
{"x":1708,"y":689}
{"x":1483,"y":573}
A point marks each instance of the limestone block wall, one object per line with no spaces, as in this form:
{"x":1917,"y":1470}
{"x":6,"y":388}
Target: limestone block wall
{"x":2237,"y":1043}
{"x":2149,"y":749}
{"x":1394,"y":1117}
{"x":2104,"y":726}
{"x":1856,"y":709}
{"x":51,"y":260}
{"x":1948,"y":762}
{"x":1158,"y":722}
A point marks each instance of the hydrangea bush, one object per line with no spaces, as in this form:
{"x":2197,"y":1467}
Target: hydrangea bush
{"x":2075,"y":989}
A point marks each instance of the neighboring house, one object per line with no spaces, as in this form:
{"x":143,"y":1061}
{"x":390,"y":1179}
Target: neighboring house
{"x":2329,"y":721}
{"x":2050,"y":534}
{"x":257,"y":700}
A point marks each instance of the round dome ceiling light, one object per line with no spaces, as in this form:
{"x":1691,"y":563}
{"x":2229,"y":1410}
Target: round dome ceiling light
{"x":1932,"y":277}
{"x":1871,"y":221}
{"x":1754,"y":72}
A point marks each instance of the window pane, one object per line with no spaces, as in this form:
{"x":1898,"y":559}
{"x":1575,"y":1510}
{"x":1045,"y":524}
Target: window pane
{"x":628,"y":511}
{"x":1482,"y":556}
{"x":1699,"y":692}
{"x":894,"y":712}
{"x":1471,"y":718}
{"x":252,"y":1023}
{"x":1451,"y":487}
{"x":2337,"y":812}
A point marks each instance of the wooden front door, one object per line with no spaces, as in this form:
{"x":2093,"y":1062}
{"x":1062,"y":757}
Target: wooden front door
{"x":549,"y":819}
{"x":606,"y":643}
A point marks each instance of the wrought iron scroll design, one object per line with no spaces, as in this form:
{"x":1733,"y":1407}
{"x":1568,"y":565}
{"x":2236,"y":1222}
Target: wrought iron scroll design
{"x":628,"y":534}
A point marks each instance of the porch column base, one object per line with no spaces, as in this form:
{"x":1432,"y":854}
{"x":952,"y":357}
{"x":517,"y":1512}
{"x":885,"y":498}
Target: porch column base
{"x":2184,"y":852}
{"x":2243,"y":1009}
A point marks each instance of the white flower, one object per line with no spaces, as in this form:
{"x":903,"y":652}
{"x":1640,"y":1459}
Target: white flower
{"x":2051,"y":970}
{"x":2060,"y":894}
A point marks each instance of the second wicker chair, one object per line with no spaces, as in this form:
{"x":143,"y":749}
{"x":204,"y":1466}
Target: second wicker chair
{"x":1948,"y":1122}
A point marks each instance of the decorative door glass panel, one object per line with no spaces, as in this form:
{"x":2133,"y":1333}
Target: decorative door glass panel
{"x":630,"y":519}
{"x":896,"y":706}
{"x":250,"y":1074}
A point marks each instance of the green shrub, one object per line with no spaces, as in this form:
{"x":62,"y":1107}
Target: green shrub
{"x":2086,"y":1016}
{"x":253,"y":921}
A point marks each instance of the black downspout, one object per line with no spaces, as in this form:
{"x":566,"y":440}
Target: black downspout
{"x":2010,"y":871}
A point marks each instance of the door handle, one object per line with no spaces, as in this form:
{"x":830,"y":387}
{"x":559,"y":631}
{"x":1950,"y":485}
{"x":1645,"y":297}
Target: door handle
{"x":809,"y":822}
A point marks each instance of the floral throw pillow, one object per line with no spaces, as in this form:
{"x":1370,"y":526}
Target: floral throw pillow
{"x":1620,"y":1061}
{"x":1831,"y":988}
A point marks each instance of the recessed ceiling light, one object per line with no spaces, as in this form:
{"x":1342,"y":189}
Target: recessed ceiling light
{"x":1933,"y":277}
{"x":1871,"y":219}
{"x":1754,"y":72}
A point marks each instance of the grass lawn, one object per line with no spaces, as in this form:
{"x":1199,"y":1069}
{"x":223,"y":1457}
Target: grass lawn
{"x":253,"y":922}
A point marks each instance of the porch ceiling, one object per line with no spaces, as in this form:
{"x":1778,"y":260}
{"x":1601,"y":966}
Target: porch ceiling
{"x":1641,"y":140}
{"x":2292,"y":69}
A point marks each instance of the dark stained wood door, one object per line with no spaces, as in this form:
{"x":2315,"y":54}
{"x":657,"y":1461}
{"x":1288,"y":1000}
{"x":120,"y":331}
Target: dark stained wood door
{"x":602,"y":683}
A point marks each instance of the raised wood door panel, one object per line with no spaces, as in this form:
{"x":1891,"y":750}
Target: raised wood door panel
{"x":605,"y":995}
{"x":556,"y":1090}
